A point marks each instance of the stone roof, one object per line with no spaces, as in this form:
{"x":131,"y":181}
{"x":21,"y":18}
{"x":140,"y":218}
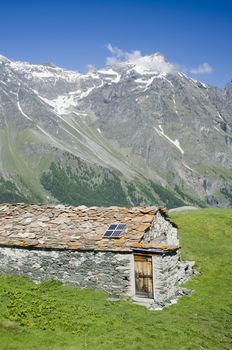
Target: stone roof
{"x":74,"y":228}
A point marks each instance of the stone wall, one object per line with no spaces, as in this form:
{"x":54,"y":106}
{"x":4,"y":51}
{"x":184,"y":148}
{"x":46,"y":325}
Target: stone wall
{"x":161,"y":232}
{"x":185,"y":271}
{"x":165,"y":272}
{"x":112,"y":272}
{"x":102,"y":270}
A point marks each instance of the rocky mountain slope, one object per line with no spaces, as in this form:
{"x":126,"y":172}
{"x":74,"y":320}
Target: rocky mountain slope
{"x":130,"y":133}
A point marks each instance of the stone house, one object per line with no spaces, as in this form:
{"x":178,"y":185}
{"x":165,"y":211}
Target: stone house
{"x":126,"y":252}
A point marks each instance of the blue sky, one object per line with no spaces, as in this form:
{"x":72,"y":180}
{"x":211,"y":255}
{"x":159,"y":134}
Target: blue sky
{"x":73,"y":34}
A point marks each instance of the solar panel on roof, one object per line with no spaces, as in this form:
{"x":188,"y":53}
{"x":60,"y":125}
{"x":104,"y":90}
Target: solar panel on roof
{"x":112,"y":227}
{"x":108,"y":233}
{"x":114,"y":230}
{"x":121,"y":226}
{"x":116,"y":233}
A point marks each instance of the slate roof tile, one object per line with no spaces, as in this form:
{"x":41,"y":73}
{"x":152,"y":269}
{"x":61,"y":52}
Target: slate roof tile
{"x":74,"y":228}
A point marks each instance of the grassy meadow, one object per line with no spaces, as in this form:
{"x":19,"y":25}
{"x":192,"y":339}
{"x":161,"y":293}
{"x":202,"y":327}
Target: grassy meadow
{"x":51,"y":316}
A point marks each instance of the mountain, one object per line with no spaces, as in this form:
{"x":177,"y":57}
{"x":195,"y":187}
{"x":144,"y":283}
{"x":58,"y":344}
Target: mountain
{"x":134,"y":132}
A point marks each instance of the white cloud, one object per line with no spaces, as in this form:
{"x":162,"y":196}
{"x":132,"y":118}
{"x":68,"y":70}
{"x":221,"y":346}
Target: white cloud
{"x":115,"y":51}
{"x":155,"y":62}
{"x":91,"y":67}
{"x":203,"y":68}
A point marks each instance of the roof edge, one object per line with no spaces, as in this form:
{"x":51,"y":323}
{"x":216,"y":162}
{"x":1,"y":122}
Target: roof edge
{"x":42,"y":248}
{"x":164,"y":213}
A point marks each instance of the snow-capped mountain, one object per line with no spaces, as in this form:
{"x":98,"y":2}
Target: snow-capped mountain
{"x":133,"y":132}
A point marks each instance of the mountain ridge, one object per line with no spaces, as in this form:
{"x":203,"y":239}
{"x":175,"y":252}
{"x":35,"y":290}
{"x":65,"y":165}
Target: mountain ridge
{"x":142,"y":125}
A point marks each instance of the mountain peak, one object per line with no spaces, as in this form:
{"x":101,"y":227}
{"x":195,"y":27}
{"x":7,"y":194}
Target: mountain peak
{"x":49,"y":65}
{"x":3,"y":59}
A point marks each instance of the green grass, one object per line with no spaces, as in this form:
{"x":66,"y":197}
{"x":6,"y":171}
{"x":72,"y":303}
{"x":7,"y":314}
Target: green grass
{"x":53,"y":316}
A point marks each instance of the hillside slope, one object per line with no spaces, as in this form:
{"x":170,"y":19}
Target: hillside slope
{"x":53,"y":316}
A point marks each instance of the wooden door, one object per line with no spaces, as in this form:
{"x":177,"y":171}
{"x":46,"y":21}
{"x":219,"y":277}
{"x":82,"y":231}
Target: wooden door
{"x":143,"y":276}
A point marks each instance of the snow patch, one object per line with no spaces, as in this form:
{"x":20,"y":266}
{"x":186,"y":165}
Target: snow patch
{"x":187,"y":167}
{"x":169,"y":82}
{"x":220,"y":132}
{"x":149,"y":82}
{"x":113,"y":76}
{"x":87,"y":92}
{"x":175,"y":142}
{"x":21,"y":111}
{"x":47,"y":101}
{"x":159,"y":76}
{"x":3,"y":82}
{"x":62,"y":104}
{"x":4,"y":59}
{"x":204,"y":85}
{"x":141,"y":81}
{"x":174,"y":102}
{"x":43,"y":72}
{"x":220,"y":116}
{"x":80,"y":114}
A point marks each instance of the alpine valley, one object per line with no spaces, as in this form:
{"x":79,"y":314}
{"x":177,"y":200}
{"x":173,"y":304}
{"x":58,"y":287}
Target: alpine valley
{"x":129,"y":134}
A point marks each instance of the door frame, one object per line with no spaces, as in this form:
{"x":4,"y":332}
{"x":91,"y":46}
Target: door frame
{"x":133,"y":279}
